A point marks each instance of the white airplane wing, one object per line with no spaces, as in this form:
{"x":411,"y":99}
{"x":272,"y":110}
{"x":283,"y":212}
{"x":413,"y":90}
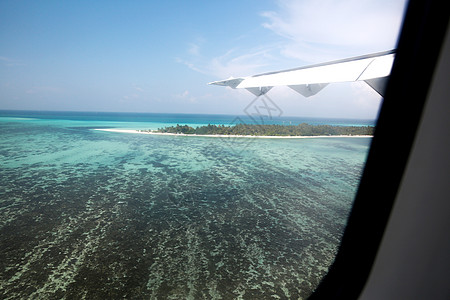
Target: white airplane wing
{"x":374,"y":69}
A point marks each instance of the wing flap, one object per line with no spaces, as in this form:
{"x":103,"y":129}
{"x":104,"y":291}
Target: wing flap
{"x":308,"y":90}
{"x":259,"y":91}
{"x":378,"y":84}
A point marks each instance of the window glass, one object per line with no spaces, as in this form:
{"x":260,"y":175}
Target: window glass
{"x":124,"y":175}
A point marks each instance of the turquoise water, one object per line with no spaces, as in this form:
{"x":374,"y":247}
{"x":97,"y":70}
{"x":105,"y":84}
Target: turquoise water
{"x":155,"y":121}
{"x":104,"y":215}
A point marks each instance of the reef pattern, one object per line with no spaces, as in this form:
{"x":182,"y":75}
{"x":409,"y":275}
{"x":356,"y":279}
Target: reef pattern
{"x":86,"y":214}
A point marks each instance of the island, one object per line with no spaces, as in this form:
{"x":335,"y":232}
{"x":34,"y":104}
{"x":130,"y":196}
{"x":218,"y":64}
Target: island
{"x":253,"y":130}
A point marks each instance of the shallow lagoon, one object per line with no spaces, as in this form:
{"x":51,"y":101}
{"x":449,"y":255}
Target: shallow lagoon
{"x":95,"y":215}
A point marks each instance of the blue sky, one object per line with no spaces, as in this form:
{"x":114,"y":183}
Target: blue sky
{"x":158,"y":56}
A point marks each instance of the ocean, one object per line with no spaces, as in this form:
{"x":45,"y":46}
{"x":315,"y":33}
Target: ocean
{"x":89,"y":214}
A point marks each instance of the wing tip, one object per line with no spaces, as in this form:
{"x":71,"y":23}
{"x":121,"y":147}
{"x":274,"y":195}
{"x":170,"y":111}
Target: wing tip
{"x":231,"y":82}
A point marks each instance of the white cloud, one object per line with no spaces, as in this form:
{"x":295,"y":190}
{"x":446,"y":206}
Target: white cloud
{"x":186,"y":95}
{"x":194,"y":49}
{"x":195,"y":46}
{"x":136,"y":94}
{"x":131,"y":97}
{"x":137,"y":88}
{"x":190,"y":65}
{"x":234,"y":62}
{"x":330,"y":29}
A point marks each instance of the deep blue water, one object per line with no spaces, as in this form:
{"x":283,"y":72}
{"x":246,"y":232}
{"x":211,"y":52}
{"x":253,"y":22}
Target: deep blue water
{"x":105,"y":215}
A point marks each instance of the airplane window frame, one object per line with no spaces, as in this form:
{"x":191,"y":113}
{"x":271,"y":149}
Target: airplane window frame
{"x":418,"y":48}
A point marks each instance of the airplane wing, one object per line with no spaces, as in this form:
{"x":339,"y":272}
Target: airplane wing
{"x":374,"y":69}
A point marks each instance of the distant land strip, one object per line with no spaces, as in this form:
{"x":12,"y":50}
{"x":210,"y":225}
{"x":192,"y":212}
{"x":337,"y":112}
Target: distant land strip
{"x":303,"y":129}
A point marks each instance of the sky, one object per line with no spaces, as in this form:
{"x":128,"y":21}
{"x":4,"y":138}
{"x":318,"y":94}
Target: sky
{"x":158,"y":56}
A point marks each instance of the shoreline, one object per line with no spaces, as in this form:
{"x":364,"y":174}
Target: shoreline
{"x":236,"y":136}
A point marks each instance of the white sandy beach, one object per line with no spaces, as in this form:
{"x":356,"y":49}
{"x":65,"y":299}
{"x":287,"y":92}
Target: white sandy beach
{"x":232,"y":136}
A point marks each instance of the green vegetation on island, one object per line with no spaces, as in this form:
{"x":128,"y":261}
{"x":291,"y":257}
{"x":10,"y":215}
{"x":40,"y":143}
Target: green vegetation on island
{"x":303,"y":129}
